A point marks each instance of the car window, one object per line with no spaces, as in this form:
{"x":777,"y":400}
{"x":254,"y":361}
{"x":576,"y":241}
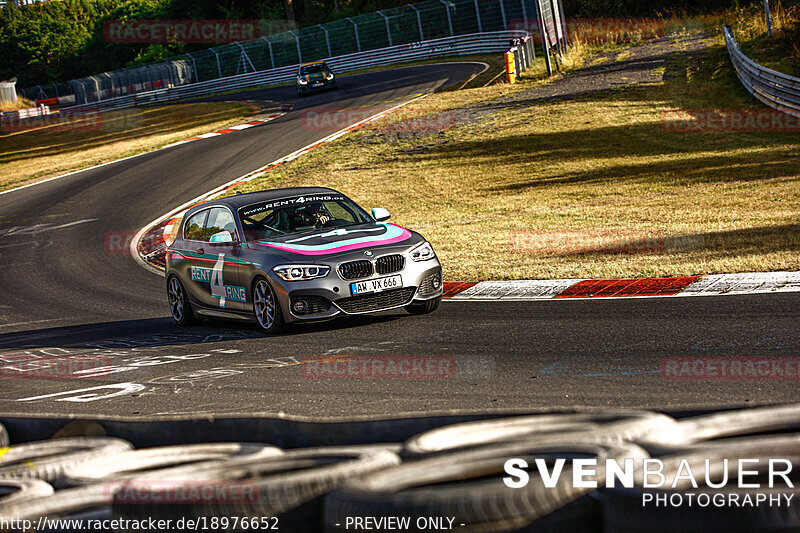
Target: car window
{"x":312,"y":69}
{"x":301,"y":214}
{"x":219,"y":219}
{"x":193,"y":230}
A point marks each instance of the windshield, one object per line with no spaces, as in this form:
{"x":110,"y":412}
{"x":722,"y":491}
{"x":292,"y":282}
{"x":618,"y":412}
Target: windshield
{"x":312,"y":69}
{"x":300,"y":214}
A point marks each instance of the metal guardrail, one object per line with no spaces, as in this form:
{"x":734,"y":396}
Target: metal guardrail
{"x":774,"y":89}
{"x":475,"y":43}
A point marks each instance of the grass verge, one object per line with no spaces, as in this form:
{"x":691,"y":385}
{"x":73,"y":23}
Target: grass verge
{"x":594,"y":186}
{"x":22,"y":103}
{"x":36,"y":154}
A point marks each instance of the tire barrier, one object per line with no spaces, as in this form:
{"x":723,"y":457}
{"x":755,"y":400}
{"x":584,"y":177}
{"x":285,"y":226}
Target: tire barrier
{"x":456,"y":471}
{"x":612,"y":425}
{"x":701,"y":429}
{"x":468,"y":486}
{"x":289,"y":487}
{"x":14,"y":491}
{"x":47,"y":460}
{"x":129,"y":464}
{"x":624,"y":512}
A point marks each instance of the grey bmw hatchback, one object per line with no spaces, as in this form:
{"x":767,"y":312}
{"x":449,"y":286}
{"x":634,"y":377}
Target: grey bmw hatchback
{"x":292,"y":255}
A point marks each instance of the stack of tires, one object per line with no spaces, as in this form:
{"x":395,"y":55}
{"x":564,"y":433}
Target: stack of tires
{"x":451,"y":477}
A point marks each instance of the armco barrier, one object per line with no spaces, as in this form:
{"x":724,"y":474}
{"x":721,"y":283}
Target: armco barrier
{"x":476,"y":43}
{"x":774,"y":89}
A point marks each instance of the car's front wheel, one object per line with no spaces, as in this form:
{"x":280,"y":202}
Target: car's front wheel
{"x":266,"y":307}
{"x":424,"y":308}
{"x":179,"y":305}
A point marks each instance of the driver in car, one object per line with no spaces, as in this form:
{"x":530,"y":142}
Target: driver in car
{"x":317,"y":216}
{"x":321,"y":219}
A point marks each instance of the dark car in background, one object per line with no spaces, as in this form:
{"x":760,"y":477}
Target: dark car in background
{"x":313,"y":77}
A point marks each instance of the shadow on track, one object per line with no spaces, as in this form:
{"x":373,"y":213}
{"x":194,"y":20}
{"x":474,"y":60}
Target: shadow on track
{"x":152,"y":332}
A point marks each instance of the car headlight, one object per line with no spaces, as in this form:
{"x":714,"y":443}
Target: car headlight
{"x":329,"y":76}
{"x":422,"y":252}
{"x":301,"y":81}
{"x":301,"y":272}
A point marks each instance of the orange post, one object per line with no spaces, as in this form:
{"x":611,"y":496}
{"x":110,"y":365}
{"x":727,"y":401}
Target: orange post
{"x":511,"y":76}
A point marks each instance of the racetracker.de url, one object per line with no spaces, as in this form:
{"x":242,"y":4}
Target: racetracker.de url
{"x":202,"y":523}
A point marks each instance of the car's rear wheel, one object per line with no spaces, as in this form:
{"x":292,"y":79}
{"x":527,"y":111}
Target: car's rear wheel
{"x":266,"y":307}
{"x":179,"y":305}
{"x":424,"y":308}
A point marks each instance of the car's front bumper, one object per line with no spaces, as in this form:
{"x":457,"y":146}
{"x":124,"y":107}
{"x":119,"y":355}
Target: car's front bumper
{"x":311,"y":87}
{"x":417,"y":286}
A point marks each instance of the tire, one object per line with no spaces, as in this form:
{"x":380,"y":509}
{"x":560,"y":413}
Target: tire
{"x":4,"y":440}
{"x":424,"y":308}
{"x":47,"y":460}
{"x":13,"y":491}
{"x":150,"y":461}
{"x":59,"y":504}
{"x":290,"y":486}
{"x":468,"y":487}
{"x":179,"y":306}
{"x":624,"y":508}
{"x":264,"y":299}
{"x":611,"y":425}
{"x":700,"y":429}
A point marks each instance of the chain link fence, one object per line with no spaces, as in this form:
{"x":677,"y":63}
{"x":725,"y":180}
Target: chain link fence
{"x":406,"y":25}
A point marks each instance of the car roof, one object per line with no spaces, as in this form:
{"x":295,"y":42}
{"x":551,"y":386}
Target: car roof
{"x":241,"y":200}
{"x":312,"y":63}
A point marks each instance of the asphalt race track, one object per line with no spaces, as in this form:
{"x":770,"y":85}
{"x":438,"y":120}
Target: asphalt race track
{"x":64,"y":293}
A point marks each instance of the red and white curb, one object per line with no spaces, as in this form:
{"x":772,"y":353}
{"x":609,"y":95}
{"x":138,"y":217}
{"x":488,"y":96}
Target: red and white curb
{"x":711,"y":285}
{"x":148,"y":246}
{"x":231,"y":129}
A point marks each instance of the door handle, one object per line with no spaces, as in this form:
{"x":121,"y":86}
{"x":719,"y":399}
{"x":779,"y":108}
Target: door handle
{"x":200,"y":251}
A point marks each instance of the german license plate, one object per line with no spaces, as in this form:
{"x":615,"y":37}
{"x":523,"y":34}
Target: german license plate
{"x":318,"y":84}
{"x":376,"y":285}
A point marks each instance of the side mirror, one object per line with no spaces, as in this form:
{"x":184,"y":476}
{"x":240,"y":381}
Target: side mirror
{"x":380,"y":214}
{"x":221,"y":237}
